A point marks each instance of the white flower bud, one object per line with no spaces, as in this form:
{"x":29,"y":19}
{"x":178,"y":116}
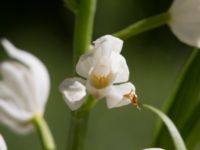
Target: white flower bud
{"x":24,"y":89}
{"x":185,"y":21}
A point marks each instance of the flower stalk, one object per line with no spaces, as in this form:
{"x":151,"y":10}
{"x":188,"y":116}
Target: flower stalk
{"x":82,"y":40}
{"x":78,"y":125}
{"x":72,"y":5}
{"x":44,"y":132}
{"x":83,"y":27}
{"x":143,"y":25}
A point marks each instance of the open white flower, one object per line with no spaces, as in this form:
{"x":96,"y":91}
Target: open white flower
{"x":185,"y":21}
{"x":24,"y":88}
{"x":106,"y":73}
{"x":2,"y":143}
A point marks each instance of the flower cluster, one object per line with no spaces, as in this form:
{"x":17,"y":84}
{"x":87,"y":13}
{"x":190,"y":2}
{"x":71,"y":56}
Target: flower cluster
{"x":104,"y":73}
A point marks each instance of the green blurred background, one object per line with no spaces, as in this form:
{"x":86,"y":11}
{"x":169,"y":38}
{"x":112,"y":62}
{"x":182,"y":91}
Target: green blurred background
{"x":45,"y":28}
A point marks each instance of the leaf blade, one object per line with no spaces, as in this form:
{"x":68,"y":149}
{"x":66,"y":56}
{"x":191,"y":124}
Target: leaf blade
{"x":177,"y":139}
{"x":183,"y":101}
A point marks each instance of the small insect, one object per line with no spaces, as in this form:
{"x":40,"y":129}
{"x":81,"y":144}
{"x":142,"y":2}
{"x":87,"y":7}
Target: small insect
{"x":133,"y":98}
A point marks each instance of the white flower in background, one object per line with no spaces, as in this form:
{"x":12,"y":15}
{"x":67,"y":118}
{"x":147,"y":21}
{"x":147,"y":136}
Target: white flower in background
{"x":2,"y":143}
{"x":185,"y":21}
{"x":24,"y":88}
{"x":106,"y":74}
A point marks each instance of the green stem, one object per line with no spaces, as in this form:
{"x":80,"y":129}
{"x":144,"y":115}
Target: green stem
{"x":78,"y":126}
{"x":71,"y":5}
{"x":143,"y":25}
{"x":83,"y":27}
{"x":44,"y":132}
{"x":82,"y":40}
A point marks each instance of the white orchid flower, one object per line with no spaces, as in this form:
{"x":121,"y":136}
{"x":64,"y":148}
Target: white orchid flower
{"x":24,"y":88}
{"x":185,"y":21}
{"x":2,"y":143}
{"x":106,"y":74}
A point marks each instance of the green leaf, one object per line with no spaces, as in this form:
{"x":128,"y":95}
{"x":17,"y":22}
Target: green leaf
{"x":183,"y":105}
{"x":176,"y":137}
{"x":191,"y":127}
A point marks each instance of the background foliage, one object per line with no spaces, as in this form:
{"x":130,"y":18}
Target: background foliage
{"x":155,"y":58}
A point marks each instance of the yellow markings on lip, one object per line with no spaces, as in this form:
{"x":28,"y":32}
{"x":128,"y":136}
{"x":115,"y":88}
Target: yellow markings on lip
{"x":102,"y":65}
{"x":99,"y":81}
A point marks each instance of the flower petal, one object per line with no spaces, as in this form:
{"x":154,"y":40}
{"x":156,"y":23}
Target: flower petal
{"x":115,"y":97}
{"x":9,"y":101}
{"x":2,"y":143}
{"x":109,"y":42}
{"x":18,"y":84}
{"x":39,"y":71}
{"x":73,"y":91}
{"x":13,"y":111}
{"x":119,"y":68}
{"x":185,"y":21}
{"x":84,"y":64}
{"x":15,"y":118}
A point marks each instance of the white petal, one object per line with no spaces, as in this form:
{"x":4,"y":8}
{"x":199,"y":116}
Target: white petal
{"x":116,"y":98}
{"x":185,"y":22}
{"x":18,"y":79}
{"x":22,"y":129}
{"x":102,"y":50}
{"x":119,"y":68}
{"x":2,"y":143}
{"x":104,"y":46}
{"x":12,"y":110}
{"x":39,"y":71}
{"x":10,"y":96}
{"x":84,"y":64}
{"x":12,"y":113}
{"x":15,"y":111}
{"x":109,"y":42}
{"x":102,"y":67}
{"x":14,"y":118}
{"x":73,"y":91}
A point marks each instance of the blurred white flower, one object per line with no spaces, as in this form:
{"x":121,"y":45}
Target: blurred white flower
{"x":185,"y":21}
{"x":2,"y":143}
{"x":24,"y":88}
{"x":106,"y":74}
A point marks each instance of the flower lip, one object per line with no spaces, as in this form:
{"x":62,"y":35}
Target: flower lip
{"x":99,"y":81}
